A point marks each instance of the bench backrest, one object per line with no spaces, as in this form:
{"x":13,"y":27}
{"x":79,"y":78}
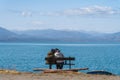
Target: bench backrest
{"x":52,"y":61}
{"x":65,"y":58}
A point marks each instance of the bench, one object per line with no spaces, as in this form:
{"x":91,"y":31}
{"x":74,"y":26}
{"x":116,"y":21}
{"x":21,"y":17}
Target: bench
{"x":67,"y":61}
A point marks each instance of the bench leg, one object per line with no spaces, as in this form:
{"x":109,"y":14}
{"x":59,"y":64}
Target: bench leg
{"x":69,"y":64}
{"x":50,"y":66}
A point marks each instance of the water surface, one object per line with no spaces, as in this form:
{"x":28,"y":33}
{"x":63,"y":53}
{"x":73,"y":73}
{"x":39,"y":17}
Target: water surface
{"x":26,"y":56}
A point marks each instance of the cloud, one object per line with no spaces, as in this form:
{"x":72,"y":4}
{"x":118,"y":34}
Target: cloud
{"x":94,"y":10}
{"x":91,"y":10}
{"x":26,"y":13}
{"x":21,"y":13}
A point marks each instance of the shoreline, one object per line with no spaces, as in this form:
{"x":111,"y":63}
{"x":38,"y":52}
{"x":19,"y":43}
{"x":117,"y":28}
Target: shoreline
{"x":58,"y":75}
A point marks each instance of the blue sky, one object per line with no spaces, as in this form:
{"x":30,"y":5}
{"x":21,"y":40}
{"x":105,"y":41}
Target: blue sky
{"x":82,"y":15}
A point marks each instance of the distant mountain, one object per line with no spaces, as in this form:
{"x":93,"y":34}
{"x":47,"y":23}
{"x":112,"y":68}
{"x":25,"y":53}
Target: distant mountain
{"x":57,"y":35}
{"x":50,"y":35}
{"x":5,"y":32}
{"x":6,"y":35}
{"x":71,"y":36}
{"x":115,"y":36}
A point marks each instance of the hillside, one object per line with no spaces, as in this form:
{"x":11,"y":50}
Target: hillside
{"x":6,"y":35}
{"x":72,"y":36}
{"x":50,"y":35}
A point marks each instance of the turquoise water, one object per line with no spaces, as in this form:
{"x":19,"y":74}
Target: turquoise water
{"x":26,"y":56}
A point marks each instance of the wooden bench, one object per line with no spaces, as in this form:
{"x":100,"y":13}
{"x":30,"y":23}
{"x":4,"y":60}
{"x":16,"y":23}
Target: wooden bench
{"x":67,"y":61}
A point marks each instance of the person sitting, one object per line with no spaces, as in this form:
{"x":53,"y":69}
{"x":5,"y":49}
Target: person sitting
{"x":51,"y":55}
{"x":59,"y":63}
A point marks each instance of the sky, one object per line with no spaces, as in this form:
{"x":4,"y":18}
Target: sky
{"x":80,"y":15}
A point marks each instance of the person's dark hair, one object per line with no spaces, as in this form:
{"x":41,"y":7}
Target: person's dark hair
{"x":53,"y":50}
{"x":56,"y":49}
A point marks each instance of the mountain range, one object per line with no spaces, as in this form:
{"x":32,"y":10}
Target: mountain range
{"x":50,"y":35}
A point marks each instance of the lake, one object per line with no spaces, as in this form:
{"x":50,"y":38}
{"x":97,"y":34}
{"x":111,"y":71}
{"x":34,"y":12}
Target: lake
{"x":26,"y":56}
